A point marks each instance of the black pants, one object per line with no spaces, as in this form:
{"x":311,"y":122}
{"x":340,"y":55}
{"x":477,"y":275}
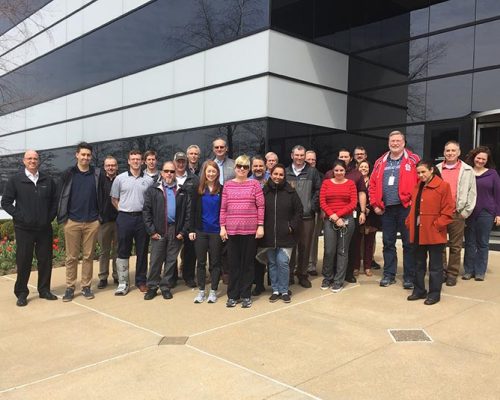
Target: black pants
{"x":131,"y":230}
{"x":353,"y":248}
{"x":435,"y":252}
{"x":240,"y":254}
{"x":41,"y":243}
{"x":211,"y":243}
{"x":188,"y":259}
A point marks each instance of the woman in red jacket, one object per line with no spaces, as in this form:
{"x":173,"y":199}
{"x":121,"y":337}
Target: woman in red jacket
{"x":431,"y":211}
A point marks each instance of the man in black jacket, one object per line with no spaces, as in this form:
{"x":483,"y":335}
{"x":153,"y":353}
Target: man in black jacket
{"x":166,"y":214}
{"x":35,"y":197}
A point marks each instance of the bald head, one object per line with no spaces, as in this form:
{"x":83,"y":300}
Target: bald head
{"x":31,"y":161}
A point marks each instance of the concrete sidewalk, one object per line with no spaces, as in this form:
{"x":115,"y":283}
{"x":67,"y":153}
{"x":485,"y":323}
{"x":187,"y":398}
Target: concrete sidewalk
{"x":323,"y":345}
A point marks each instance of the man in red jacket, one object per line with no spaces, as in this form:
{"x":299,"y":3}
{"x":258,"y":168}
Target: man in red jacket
{"x":391,"y":184}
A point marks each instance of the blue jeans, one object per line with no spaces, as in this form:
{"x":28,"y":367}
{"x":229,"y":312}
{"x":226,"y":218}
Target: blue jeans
{"x":393,"y":221}
{"x":279,"y":270}
{"x":477,"y":237}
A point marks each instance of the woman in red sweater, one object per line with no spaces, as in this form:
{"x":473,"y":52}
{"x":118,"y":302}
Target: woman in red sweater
{"x":337,"y":198}
{"x":431,"y":211}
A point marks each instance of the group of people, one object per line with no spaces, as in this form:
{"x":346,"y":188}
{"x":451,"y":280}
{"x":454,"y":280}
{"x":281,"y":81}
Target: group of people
{"x":247,"y":215}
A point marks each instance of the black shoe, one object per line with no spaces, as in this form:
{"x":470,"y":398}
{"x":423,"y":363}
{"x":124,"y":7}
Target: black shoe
{"x":408,"y":285}
{"x":451,"y":281}
{"x":351,"y":279}
{"x":286,"y":298}
{"x":22,"y":300}
{"x":429,"y":301}
{"x":414,"y":296}
{"x":304,"y":282}
{"x":172,"y":284}
{"x":191,"y":284}
{"x":47,"y":296}
{"x":375,"y":265}
{"x":274,"y":297}
{"x":479,"y":278}
{"x":313,"y":272}
{"x":150,"y":294}
{"x":167,"y":294}
{"x":102,"y":283}
{"x":258,"y":290}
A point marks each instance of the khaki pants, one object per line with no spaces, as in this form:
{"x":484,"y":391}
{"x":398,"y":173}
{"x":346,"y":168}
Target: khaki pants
{"x":455,"y":240}
{"x":80,"y":235}
{"x":108,"y":240}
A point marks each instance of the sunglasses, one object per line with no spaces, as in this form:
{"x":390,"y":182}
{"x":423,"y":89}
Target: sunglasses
{"x":240,"y":166}
{"x":171,"y":171}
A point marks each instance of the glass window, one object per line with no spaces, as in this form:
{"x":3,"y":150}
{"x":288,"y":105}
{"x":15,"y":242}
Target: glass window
{"x":394,"y":57}
{"x":365,"y":75}
{"x":419,"y":22}
{"x":415,"y":102}
{"x":451,"y":13}
{"x":450,"y":52}
{"x":19,"y":11}
{"x":364,"y":114}
{"x":449,"y":97}
{"x":487,"y":9}
{"x":294,"y":17}
{"x":415,"y":138}
{"x":485,"y":95}
{"x":418,"y":60}
{"x":486,"y":51}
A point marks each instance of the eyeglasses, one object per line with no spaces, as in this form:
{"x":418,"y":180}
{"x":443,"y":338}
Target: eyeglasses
{"x":219,"y":147}
{"x":169,"y":171}
{"x":240,"y":166}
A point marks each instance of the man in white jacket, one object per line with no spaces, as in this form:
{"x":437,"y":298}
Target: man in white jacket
{"x":462,"y":181}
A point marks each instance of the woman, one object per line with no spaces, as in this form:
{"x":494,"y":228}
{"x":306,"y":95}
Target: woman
{"x":368,"y":230}
{"x":283,"y":214}
{"x":242,"y":222}
{"x":338,"y":199}
{"x":486,"y":213}
{"x":431,"y":211}
{"x":205,"y":229}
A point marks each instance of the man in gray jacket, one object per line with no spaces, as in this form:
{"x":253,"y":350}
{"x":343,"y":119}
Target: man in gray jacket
{"x":307,"y":182}
{"x":226,"y":164}
{"x":462,"y":181}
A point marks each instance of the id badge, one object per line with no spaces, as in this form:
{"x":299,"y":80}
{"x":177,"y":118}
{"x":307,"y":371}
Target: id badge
{"x":355,"y":214}
{"x":391,"y":181}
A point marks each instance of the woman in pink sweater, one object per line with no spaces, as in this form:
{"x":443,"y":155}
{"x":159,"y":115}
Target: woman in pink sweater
{"x":338,"y":199}
{"x":242,"y":222}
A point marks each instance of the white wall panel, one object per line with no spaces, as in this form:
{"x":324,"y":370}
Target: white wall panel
{"x":189,"y":72}
{"x":188,"y":111}
{"x":306,"y":61}
{"x":154,"y":117}
{"x":298,"y":102}
{"x":13,"y":144}
{"x":103,"y":97}
{"x":13,"y":122}
{"x":240,"y":101}
{"x":244,"y":57}
{"x":45,"y":113}
{"x":74,"y":132}
{"x":103,"y":127}
{"x":38,"y":139}
{"x":74,"y":104}
{"x":149,"y":84}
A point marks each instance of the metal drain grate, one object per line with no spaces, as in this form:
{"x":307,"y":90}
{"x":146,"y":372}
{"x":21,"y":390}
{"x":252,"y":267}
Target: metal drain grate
{"x":409,"y":335}
{"x":173,"y":340}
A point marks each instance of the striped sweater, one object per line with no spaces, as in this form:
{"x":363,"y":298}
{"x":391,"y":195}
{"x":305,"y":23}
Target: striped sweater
{"x":242,"y":207}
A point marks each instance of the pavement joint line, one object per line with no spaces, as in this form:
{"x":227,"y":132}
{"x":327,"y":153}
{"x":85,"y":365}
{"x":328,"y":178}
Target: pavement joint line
{"x":268,"y":312}
{"x":74,"y":370}
{"x":468,"y":298}
{"x":251,"y":371}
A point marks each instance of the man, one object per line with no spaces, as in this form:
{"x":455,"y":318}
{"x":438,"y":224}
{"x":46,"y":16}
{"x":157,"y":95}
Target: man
{"x":189,"y":182}
{"x":150,"y":161}
{"x":30,"y":197}
{"x":193,"y":155}
{"x":166,"y":215}
{"x":359,"y":215}
{"x":127,"y":195}
{"x":78,"y":209}
{"x":360,"y":154}
{"x":393,"y":178}
{"x":462,"y":181}
{"x":226,"y":164}
{"x":318,"y":223}
{"x":271,"y":160}
{"x":108,"y":235}
{"x":307,"y":182}
{"x":259,"y":174}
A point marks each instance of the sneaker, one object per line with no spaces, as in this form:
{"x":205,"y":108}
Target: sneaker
{"x":69,"y":295}
{"x":336,"y":287}
{"x":304,"y":282}
{"x":102,"y":283}
{"x":467,"y":276}
{"x":246,"y":302}
{"x":122,"y":289}
{"x":408,"y":285}
{"x":274,"y":297}
{"x":386,"y":281}
{"x":325,"y":285}
{"x":212,"y":297}
{"x":451,"y":281}
{"x":231,"y":303}
{"x":375,"y":265}
{"x":87,"y":293}
{"x":286,"y":298}
{"x":479,"y":278}
{"x":200,"y":297}
{"x":151,"y":294}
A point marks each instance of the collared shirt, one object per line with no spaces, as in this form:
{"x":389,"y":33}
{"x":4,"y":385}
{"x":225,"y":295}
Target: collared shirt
{"x":297,"y":171}
{"x":181,"y":179}
{"x":221,"y":169}
{"x":170,"y":204}
{"x":262,"y":181}
{"x":31,"y":177}
{"x":450,"y":174}
{"x":130,"y":189}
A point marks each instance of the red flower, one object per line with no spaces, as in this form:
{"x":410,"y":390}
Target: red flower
{"x":9,"y":249}
{"x":56,"y":240}
{"x":54,"y":246}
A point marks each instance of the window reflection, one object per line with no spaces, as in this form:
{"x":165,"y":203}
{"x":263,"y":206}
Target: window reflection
{"x":487,"y":9}
{"x":451,"y":13}
{"x":486,"y":51}
{"x":451,"y":51}
{"x":449,"y":97}
{"x":486,"y":90}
